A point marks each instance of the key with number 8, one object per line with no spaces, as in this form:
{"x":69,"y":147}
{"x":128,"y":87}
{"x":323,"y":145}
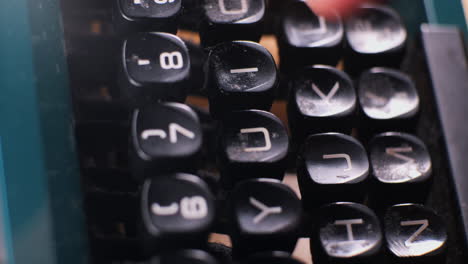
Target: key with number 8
{"x":155,"y":66}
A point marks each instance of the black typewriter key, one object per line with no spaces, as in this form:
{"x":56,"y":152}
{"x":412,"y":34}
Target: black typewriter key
{"x":415,"y":233}
{"x":177,"y":210}
{"x":332,"y":167}
{"x":155,"y":66}
{"x":322,"y":99}
{"x":275,"y":257}
{"x":265,"y":215}
{"x":164,"y":137}
{"x":242,"y":75}
{"x":376,"y":36}
{"x":146,"y":15}
{"x":346,"y":233}
{"x":253,"y":144}
{"x":227,"y":20}
{"x":306,"y":39}
{"x":401,"y":167}
{"x":186,"y":256}
{"x":389,"y":100}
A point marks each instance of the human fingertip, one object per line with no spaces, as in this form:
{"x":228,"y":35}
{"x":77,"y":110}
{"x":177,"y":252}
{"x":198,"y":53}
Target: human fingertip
{"x":329,"y":8}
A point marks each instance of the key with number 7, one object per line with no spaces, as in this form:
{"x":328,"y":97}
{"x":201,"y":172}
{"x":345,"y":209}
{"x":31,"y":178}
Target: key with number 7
{"x":165,"y":137}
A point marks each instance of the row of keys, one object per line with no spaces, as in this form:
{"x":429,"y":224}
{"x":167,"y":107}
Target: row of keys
{"x":335,"y":167}
{"x":156,"y":66}
{"x":265,"y":215}
{"x":323,"y":99}
{"x":242,"y":75}
{"x":349,"y":233}
{"x":178,"y":210}
{"x":375,"y":36}
{"x":167,"y":137}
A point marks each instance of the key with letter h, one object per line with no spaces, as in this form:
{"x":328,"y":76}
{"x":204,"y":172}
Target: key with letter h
{"x":346,"y":233}
{"x":253,"y":144}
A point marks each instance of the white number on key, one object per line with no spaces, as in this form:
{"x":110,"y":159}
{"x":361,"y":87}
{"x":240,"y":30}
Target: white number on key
{"x":171,"y":60}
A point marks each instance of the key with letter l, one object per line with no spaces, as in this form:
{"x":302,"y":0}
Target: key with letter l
{"x":307,"y":39}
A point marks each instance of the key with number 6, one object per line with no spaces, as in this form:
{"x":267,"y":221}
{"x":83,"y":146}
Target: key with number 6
{"x":177,"y":211}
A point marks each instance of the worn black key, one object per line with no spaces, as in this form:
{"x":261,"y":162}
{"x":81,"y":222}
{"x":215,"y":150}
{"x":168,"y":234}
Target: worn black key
{"x":155,"y":66}
{"x":227,"y":20}
{"x":415,"y":233}
{"x":177,"y":211}
{"x":146,"y":15}
{"x":401,"y":167}
{"x":389,"y":100}
{"x":376,"y":36}
{"x":322,"y":99}
{"x":186,"y":256}
{"x":332,"y":167}
{"x":253,"y":144}
{"x":242,"y":75}
{"x":306,"y":39}
{"x":277,"y":257}
{"x":164,"y":137}
{"x":265,"y":215}
{"x":346,"y":233}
